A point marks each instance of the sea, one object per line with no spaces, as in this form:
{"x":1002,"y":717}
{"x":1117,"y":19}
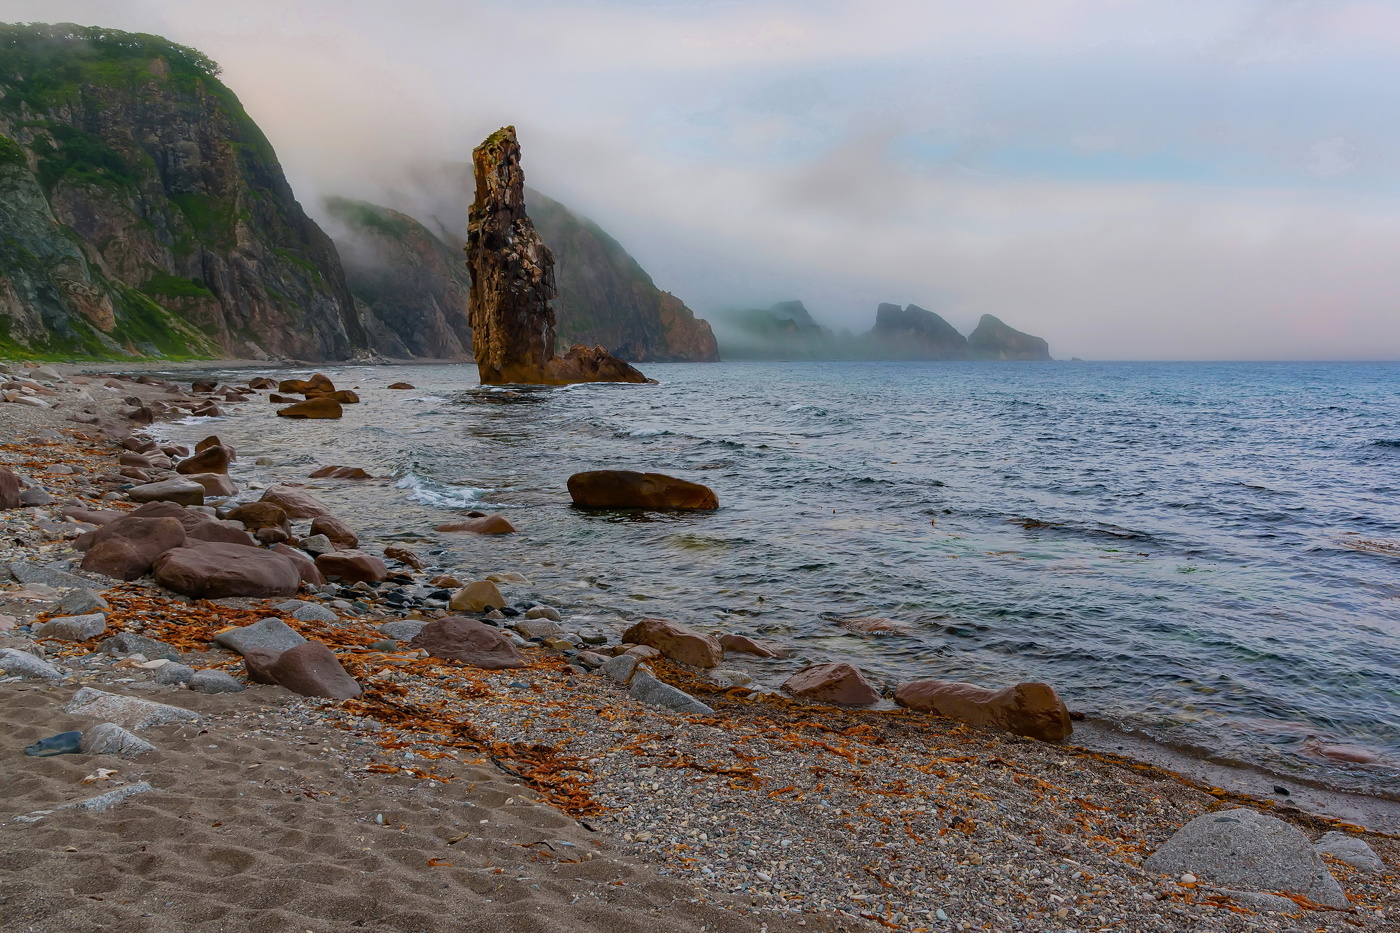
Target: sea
{"x":1205,"y":554}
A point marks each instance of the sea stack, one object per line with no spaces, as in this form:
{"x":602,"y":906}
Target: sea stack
{"x":513,"y":282}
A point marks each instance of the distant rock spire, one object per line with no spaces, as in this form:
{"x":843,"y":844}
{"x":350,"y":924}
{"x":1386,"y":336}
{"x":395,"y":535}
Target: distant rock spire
{"x":513,"y":282}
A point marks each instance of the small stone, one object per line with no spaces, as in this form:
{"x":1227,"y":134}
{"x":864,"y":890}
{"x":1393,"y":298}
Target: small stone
{"x":537,"y":627}
{"x":1351,"y":850}
{"x":648,"y":689}
{"x":402,"y":630}
{"x":82,"y":601}
{"x":272,"y":635}
{"x":621,"y":668}
{"x":304,"y":611}
{"x":108,"y":738}
{"x":123,"y":644}
{"x":1188,"y":878}
{"x":213,"y":680}
{"x":558,"y":643}
{"x":543,"y":612}
{"x":477,"y":597}
{"x":316,"y":544}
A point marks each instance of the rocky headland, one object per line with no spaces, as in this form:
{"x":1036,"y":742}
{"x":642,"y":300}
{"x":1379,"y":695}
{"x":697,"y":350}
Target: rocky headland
{"x":512,"y":273}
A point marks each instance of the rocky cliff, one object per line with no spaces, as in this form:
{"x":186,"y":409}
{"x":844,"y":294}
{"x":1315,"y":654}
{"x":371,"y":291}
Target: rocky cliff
{"x":146,"y":214}
{"x":413,"y":283}
{"x":993,"y":340}
{"x":512,"y":274}
{"x":914,"y":333}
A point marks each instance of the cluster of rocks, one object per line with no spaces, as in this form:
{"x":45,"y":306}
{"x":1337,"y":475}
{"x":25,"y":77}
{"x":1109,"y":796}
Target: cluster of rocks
{"x":320,"y":398}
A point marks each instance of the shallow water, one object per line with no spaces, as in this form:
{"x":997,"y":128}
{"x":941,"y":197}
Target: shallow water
{"x":1209,"y":553}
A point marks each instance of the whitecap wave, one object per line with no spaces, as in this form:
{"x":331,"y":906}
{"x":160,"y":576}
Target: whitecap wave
{"x":440,"y":495}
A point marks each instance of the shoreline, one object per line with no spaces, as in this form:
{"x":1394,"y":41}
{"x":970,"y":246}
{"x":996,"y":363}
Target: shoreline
{"x":750,"y":788}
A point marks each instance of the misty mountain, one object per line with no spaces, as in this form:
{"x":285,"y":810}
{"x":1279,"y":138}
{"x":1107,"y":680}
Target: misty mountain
{"x":787,"y":331}
{"x":144,"y":213}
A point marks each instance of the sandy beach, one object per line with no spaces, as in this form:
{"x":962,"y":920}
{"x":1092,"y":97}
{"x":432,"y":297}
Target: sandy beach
{"x":446,"y":797}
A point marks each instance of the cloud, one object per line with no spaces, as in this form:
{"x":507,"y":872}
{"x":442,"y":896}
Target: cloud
{"x":1128,"y":178}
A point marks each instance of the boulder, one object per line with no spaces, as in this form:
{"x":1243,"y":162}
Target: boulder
{"x":746,"y":645}
{"x":73,"y":628}
{"x":676,"y":642}
{"x":482,"y":525}
{"x":836,"y":682}
{"x":402,"y":629}
{"x":304,"y":611}
{"x":214,"y":530}
{"x":479,"y":596}
{"x":337,"y":531}
{"x":16,"y":663}
{"x":297,"y":503}
{"x":261,"y":383}
{"x":313,"y":408}
{"x":215,"y":484}
{"x":10,"y":488}
{"x":318,"y":382}
{"x":476,"y":644}
{"x":108,"y":738}
{"x":1249,"y":850}
{"x":537,"y":628}
{"x":130,"y":712}
{"x":304,"y":564}
{"x":402,"y":385}
{"x":271,"y":635}
{"x":216,"y":571}
{"x":173,"y":673}
{"x":621,"y":668}
{"x":182,"y":491}
{"x":316,"y":545}
{"x":128,"y":547}
{"x":257,"y":516}
{"x":544,"y":612}
{"x":1030,"y":709}
{"x":311,"y":670}
{"x":404,"y":556}
{"x":340,"y":472}
{"x":1351,"y":850}
{"x":125,"y":643}
{"x":212,"y":680}
{"x":344,"y":397}
{"x":211,"y":459}
{"x":352,"y":567}
{"x":82,"y":601}
{"x":625,"y":489}
{"x":647,"y":689}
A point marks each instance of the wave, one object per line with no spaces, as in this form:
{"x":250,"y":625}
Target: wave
{"x":440,"y":495}
{"x":644,"y":432}
{"x":807,"y":409}
{"x":1388,"y":444}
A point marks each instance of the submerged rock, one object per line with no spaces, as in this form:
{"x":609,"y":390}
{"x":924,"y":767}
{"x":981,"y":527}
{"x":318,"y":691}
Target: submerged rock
{"x":512,"y":283}
{"x":479,"y":524}
{"x":1030,"y":709}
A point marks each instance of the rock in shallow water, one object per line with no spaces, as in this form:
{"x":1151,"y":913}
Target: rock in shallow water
{"x":477,"y":597}
{"x":627,"y":489}
{"x":1030,"y":709}
{"x":1247,"y":849}
{"x":676,"y":642}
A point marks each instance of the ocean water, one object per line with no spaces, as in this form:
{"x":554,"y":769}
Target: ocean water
{"x":1205,"y":553}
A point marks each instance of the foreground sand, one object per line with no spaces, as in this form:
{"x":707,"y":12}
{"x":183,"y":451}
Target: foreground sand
{"x":453,"y":799}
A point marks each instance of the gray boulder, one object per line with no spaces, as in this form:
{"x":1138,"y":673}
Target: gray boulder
{"x":179,"y":491}
{"x":1249,"y":850}
{"x":304,"y":611}
{"x":126,"y":711}
{"x":537,"y":627}
{"x":316,"y":544}
{"x":35,"y":496}
{"x":73,"y":628}
{"x":49,"y":576}
{"x":174,"y":673}
{"x":401,"y":630}
{"x":128,"y":643}
{"x":108,"y":738}
{"x":1351,"y":850}
{"x":271,"y":635}
{"x":15,"y":663}
{"x":213,"y":680}
{"x":82,"y":601}
{"x":621,"y":668}
{"x":648,"y":689}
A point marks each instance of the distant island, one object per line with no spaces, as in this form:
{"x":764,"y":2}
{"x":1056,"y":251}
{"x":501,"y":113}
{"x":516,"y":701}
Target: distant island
{"x":787,"y":331}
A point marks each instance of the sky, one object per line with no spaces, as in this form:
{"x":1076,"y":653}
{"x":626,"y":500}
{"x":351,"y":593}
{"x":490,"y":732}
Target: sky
{"x":1165,"y":179}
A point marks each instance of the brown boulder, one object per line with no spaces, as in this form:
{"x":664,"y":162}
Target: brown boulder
{"x":208,"y":410}
{"x":312,"y":670}
{"x":402,"y":385}
{"x":127,"y":548}
{"x":203,"y":386}
{"x":9,"y":490}
{"x":277,"y":399}
{"x":295,"y":502}
{"x":215,"y":531}
{"x":747,"y":645}
{"x":259,"y":516}
{"x":215,"y":484}
{"x":337,"y":531}
{"x":404,"y":556}
{"x":91,"y":516}
{"x":215,"y":571}
{"x":1031,"y":709}
{"x":312,"y":408}
{"x":832,"y":683}
{"x":455,"y":638}
{"x":626,"y":489}
{"x":305,"y":565}
{"x":261,"y":382}
{"x":128,"y":458}
{"x":318,"y":382}
{"x":482,"y":525}
{"x":352,"y":567}
{"x":212,"y":459}
{"x":344,"y":397}
{"x":340,"y":472}
{"x":479,"y":596}
{"x":676,"y":642}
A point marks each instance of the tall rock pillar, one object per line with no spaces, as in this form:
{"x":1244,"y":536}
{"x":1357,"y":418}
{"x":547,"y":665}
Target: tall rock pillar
{"x":513,"y":282}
